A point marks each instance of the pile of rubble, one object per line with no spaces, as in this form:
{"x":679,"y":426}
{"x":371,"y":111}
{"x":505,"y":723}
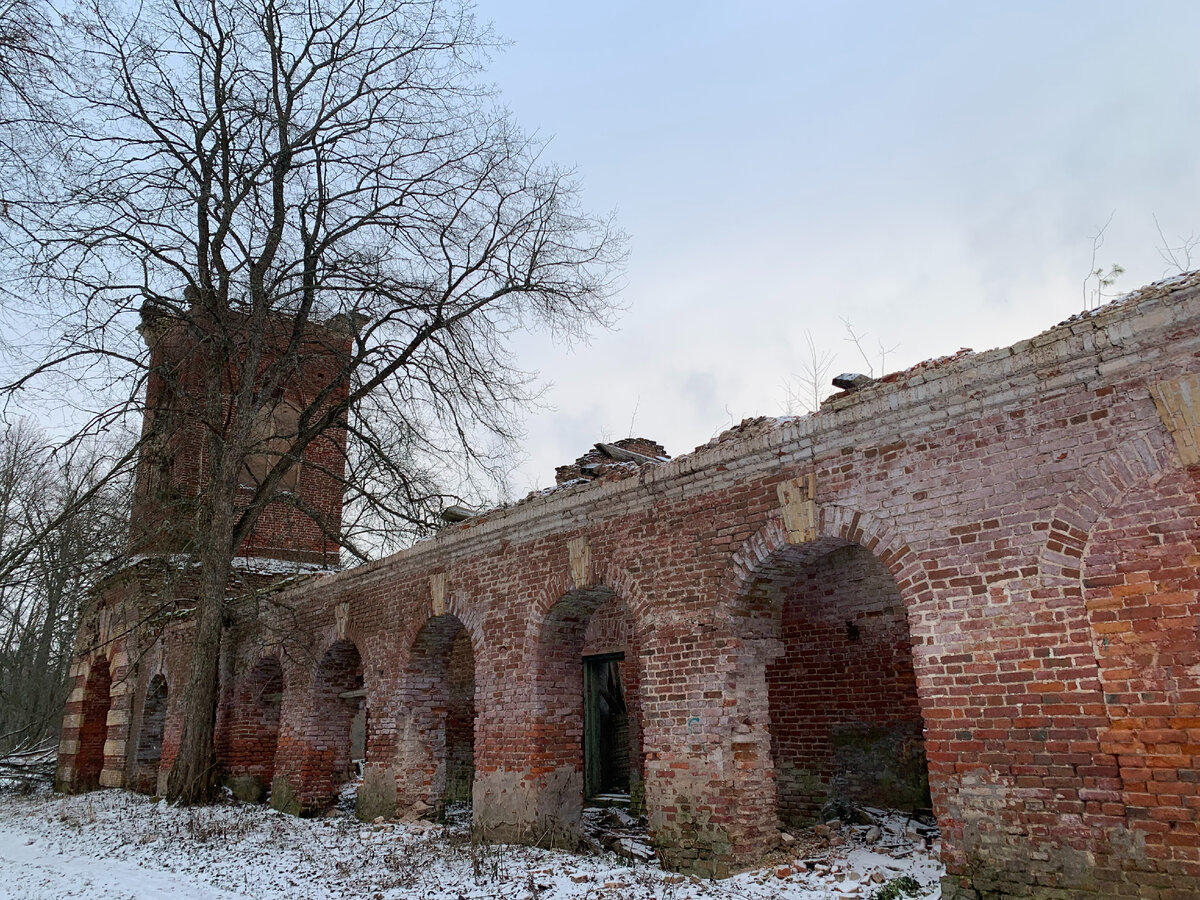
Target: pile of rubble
{"x":855,"y":856}
{"x":606,"y":462}
{"x":613,"y":829}
{"x":864,"y":852}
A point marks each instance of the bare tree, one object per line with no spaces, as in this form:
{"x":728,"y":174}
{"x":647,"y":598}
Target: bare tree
{"x":1179,"y":257}
{"x":806,"y":389}
{"x":1097,"y":281}
{"x":253,"y":177}
{"x":855,"y":337}
{"x":42,"y":594}
{"x":31,"y":56}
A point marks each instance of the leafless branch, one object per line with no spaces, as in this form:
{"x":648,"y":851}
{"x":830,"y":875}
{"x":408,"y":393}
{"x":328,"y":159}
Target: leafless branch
{"x":1179,"y":257}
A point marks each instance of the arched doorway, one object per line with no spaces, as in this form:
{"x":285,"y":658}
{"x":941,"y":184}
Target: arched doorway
{"x":93,"y":729}
{"x":253,"y":731}
{"x":844,"y":717}
{"x":150,"y":738}
{"x":338,"y":733}
{"x":587,"y":727}
{"x":436,"y":753}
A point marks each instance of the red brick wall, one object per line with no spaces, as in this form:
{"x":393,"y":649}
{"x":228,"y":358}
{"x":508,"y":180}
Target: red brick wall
{"x":171,"y":473}
{"x":1141,"y":578}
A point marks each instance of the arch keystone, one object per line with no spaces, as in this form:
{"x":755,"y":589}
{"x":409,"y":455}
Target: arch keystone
{"x":341,"y":619}
{"x":437,"y":593}
{"x":798,"y":499}
{"x":1178,"y":403}
{"x":580,"y":554}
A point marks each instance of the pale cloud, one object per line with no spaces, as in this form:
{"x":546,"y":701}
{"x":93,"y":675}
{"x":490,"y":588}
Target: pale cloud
{"x":932,"y":171}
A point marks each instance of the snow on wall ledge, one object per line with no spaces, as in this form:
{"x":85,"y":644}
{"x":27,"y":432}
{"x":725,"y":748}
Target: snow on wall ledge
{"x":1033,"y":510}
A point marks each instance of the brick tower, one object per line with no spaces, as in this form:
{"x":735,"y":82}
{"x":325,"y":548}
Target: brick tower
{"x":118,"y":729}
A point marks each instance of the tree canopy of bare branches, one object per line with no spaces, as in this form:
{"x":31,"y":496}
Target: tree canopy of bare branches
{"x":257,"y":172}
{"x":31,"y":59}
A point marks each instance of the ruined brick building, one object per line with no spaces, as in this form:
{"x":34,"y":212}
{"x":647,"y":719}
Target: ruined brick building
{"x":973,"y":584}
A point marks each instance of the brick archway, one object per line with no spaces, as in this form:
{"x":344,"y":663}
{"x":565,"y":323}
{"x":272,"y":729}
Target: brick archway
{"x":837,"y":525}
{"x":557,"y":733}
{"x":252,"y":737}
{"x":837,"y":616}
{"x":337,"y":702}
{"x":150,"y":736}
{"x":1141,"y":460}
{"x":93,"y":728}
{"x":602,"y":624}
{"x":435,"y":753}
{"x":608,"y":578}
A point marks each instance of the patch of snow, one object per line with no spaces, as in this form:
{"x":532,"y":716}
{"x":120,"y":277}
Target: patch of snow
{"x":114,"y":845}
{"x":253,"y":565}
{"x":256,"y":565}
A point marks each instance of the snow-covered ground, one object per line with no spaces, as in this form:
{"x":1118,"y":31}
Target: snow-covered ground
{"x":113,"y":845}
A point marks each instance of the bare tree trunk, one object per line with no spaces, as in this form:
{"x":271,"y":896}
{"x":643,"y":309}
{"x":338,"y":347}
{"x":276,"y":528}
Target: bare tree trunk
{"x":193,"y":774}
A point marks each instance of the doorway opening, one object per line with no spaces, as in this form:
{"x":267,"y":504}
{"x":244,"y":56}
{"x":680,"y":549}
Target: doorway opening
{"x":150,"y":744}
{"x":606,"y":730}
{"x":93,"y":730}
{"x":847,"y":732}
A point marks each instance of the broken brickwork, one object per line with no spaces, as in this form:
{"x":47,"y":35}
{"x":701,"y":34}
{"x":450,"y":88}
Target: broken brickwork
{"x":307,"y":509}
{"x":976,"y":578}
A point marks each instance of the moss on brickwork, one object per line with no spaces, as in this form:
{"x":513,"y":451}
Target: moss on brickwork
{"x":376,"y":795}
{"x":801,"y":794}
{"x":882,"y":766}
{"x":693,"y":844}
{"x":560,"y":809}
{"x":1063,"y":874}
{"x":637,"y":797}
{"x":284,"y":798}
{"x":458,"y":786}
{"x":247,"y":788}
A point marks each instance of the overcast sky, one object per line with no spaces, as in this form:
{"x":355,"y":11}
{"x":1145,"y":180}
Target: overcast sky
{"x":932,"y":172}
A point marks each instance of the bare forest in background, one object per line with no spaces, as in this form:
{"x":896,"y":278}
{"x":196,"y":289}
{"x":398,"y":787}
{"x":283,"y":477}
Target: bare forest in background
{"x":61,"y":522}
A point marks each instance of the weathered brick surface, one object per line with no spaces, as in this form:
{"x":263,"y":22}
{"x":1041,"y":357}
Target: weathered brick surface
{"x":170,"y":474}
{"x":1013,"y":535}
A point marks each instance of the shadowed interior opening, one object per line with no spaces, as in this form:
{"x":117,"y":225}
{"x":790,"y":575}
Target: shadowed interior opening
{"x":150,"y":741}
{"x":845,"y":721}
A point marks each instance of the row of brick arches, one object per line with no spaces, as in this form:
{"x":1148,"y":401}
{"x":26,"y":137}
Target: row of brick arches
{"x":969,"y":587}
{"x":825,"y":632}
